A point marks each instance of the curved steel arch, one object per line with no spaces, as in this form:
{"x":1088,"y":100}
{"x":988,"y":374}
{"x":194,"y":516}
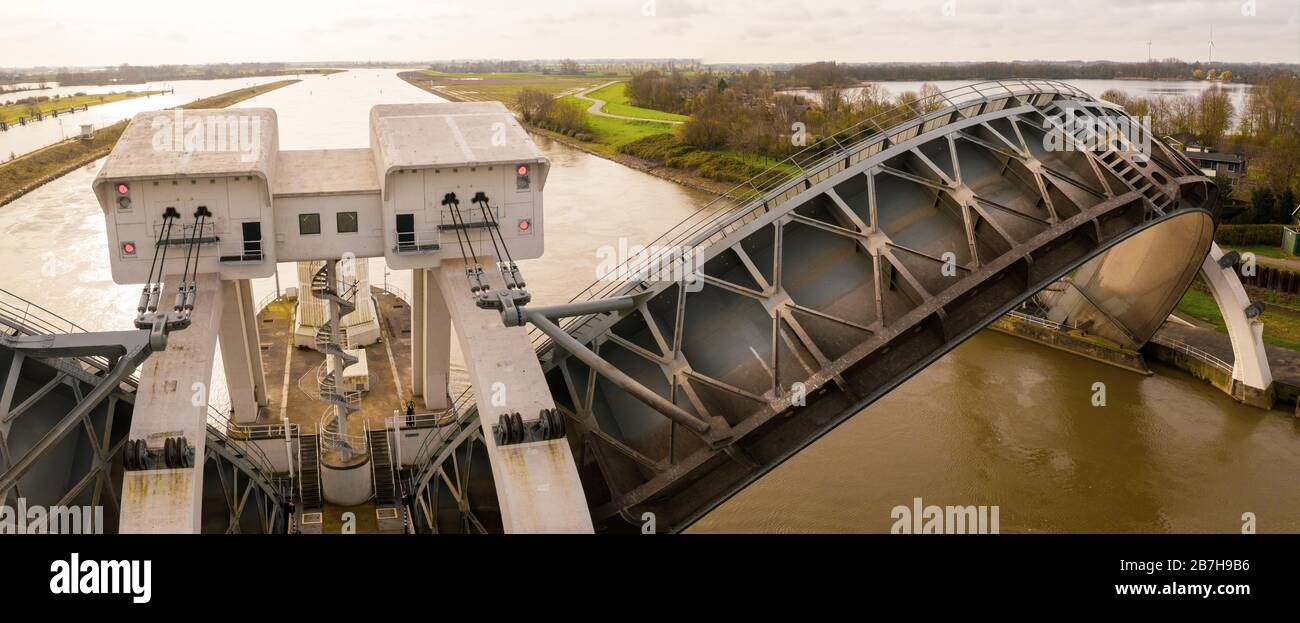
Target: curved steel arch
{"x":51,"y":371}
{"x":834,"y":287}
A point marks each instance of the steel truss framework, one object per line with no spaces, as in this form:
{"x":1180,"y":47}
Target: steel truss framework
{"x":453,"y":491}
{"x":65,"y":413}
{"x":838,"y":287}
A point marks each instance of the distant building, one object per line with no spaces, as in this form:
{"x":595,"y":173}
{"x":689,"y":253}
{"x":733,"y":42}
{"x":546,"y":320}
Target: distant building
{"x":1216,"y":164}
{"x":1211,"y":163}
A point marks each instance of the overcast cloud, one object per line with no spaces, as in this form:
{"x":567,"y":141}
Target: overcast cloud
{"x":79,"y":32}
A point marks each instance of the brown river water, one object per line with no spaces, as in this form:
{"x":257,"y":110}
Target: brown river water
{"x":998,"y":421}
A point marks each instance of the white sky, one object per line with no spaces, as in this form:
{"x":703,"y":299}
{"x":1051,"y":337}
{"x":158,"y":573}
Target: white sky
{"x":145,"y":32}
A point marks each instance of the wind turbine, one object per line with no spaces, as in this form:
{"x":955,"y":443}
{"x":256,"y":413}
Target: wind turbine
{"x":1211,"y":44}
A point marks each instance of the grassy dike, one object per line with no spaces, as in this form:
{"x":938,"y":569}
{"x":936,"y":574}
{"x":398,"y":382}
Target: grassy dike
{"x":26,"y":173}
{"x":1281,"y":317}
{"x":12,"y":112}
{"x":611,"y":135}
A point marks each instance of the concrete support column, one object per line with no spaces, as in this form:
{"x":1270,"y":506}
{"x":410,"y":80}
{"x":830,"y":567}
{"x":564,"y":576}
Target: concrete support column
{"x":417,"y":331}
{"x":436,"y":323}
{"x":240,"y":351}
{"x":537,"y":483}
{"x":173,"y":402}
{"x":249,"y":316}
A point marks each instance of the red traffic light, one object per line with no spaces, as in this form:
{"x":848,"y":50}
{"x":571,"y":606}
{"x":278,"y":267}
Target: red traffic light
{"x":525,"y":224}
{"x":123,"y":189}
{"x":128,"y":248}
{"x":522,"y":170}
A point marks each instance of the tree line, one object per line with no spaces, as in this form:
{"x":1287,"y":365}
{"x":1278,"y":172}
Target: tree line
{"x":541,"y":109}
{"x":132,"y":74}
{"x":1267,"y":132}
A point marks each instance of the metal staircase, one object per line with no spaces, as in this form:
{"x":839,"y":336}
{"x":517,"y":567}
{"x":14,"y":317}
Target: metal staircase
{"x":309,"y":495}
{"x":382,"y":469}
{"x":330,"y":340}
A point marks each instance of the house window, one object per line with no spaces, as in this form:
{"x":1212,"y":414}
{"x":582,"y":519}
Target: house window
{"x":308,"y":224}
{"x":347,"y":222}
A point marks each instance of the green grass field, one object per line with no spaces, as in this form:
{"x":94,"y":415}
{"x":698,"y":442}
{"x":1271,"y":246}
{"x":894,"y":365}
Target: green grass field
{"x":504,"y":86}
{"x":617,"y":103}
{"x":1281,"y":326}
{"x":614,"y":133}
{"x":12,"y":112}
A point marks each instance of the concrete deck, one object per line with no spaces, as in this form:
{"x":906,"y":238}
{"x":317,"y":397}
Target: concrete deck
{"x":287,"y":394}
{"x":293,"y":395}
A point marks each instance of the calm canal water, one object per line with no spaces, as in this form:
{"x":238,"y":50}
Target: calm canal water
{"x":996,"y":422}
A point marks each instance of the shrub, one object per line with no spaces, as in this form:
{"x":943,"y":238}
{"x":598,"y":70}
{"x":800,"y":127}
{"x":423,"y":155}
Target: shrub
{"x":1248,"y":235}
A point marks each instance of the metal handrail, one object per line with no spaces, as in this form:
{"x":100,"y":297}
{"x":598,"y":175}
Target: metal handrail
{"x":219,"y":424}
{"x":435,"y":441}
{"x":415,"y":245}
{"x":1194,"y":352}
{"x":336,"y":439}
{"x":1040,"y":321}
{"x":722,"y":214}
{"x":389,"y":288}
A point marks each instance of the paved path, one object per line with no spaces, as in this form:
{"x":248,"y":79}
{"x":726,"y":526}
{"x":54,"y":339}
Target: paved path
{"x":1284,"y":362}
{"x":597,"y":105}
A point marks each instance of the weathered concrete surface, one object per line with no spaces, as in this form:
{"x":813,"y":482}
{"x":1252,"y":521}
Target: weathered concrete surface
{"x":172,"y":401}
{"x":347,"y":486}
{"x":537,"y":483}
{"x":431,"y":347}
{"x":1074,"y":342}
{"x":241,"y":351}
{"x":1284,"y":363}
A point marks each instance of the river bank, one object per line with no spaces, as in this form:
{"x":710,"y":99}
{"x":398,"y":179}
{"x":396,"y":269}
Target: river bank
{"x":30,"y":171}
{"x":14,"y":113}
{"x":679,"y":176}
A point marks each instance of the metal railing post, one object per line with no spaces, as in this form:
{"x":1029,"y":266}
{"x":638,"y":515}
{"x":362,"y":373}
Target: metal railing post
{"x":288,"y":445}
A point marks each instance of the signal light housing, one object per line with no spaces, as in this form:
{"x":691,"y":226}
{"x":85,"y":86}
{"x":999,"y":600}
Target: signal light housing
{"x":522,"y":181}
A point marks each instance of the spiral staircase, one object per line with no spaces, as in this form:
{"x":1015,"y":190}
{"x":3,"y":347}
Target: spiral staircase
{"x":329,"y":378}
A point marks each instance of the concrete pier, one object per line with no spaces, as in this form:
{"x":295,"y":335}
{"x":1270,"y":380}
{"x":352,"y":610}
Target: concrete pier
{"x":172,"y":401}
{"x":537,"y":483}
{"x":430,"y":340}
{"x":241,"y":351}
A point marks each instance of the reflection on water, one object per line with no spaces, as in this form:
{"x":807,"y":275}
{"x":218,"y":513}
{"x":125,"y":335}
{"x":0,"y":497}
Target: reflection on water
{"x":997,"y":421}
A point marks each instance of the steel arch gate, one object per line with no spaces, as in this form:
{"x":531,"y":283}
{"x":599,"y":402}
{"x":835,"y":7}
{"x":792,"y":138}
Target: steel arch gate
{"x":842,"y":283}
